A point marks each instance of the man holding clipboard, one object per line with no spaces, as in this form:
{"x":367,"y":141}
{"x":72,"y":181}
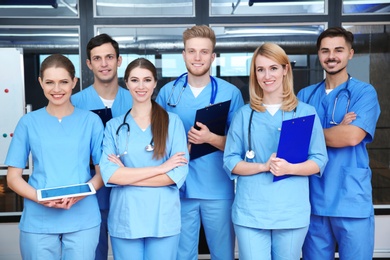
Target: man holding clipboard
{"x":208,"y":193}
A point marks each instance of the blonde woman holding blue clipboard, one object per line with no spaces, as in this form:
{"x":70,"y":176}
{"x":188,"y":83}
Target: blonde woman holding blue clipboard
{"x":270,"y":218}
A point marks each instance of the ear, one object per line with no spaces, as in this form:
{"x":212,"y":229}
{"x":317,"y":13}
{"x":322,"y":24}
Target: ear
{"x":89,"y":64}
{"x":126,"y":84}
{"x":75,"y":79}
{"x":40,"y":82}
{"x":119,"y":61}
{"x":285,"y":69}
{"x":213,"y":57}
{"x":351,"y":52}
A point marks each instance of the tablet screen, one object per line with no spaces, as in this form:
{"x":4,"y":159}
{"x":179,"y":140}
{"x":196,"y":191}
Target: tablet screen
{"x":66,"y":191}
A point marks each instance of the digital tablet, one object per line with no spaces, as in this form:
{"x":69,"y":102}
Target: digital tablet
{"x":76,"y":190}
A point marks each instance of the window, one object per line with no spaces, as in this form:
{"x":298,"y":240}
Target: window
{"x":366,"y":6}
{"x":141,"y":8}
{"x":265,"y":7}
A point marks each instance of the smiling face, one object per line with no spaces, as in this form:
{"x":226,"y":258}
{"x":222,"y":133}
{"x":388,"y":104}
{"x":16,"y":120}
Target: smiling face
{"x":141,"y":84}
{"x":57,"y":85}
{"x":198,"y":56}
{"x":269,"y":75}
{"x":334,"y":54}
{"x":104,"y":63}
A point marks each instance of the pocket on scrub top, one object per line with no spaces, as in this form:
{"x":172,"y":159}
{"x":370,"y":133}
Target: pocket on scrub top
{"x":356,"y":184}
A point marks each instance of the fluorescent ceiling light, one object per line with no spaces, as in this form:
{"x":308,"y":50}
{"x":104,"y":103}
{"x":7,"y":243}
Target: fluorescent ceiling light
{"x":271,"y":31}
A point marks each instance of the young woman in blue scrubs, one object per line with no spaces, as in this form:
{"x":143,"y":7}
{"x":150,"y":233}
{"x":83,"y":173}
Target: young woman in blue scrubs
{"x":145,"y":161}
{"x":270,"y":218}
{"x":61,"y":139}
{"x":106,"y":98}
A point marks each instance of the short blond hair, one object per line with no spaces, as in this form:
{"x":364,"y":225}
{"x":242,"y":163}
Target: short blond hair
{"x":199,"y":31}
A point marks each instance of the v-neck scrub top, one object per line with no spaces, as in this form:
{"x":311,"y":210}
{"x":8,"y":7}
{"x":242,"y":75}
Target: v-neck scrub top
{"x":260,"y":202}
{"x":139,"y":211}
{"x":345,"y":189}
{"x":61,"y":154}
{"x":89,"y":99}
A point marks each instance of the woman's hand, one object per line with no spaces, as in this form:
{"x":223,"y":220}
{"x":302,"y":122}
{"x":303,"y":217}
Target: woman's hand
{"x":176,"y":160}
{"x":279,"y":166}
{"x":64,"y":203}
{"x":115,"y":159}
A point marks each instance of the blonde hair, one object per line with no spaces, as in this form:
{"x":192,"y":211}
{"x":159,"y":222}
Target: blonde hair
{"x":276,"y":53}
{"x":199,"y":31}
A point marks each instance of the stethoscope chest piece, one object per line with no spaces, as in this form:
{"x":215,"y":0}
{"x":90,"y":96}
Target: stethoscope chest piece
{"x":250,"y":154}
{"x":149,"y":148}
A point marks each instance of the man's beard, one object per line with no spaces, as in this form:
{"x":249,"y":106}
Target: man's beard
{"x":198,"y":73}
{"x":335,"y":72}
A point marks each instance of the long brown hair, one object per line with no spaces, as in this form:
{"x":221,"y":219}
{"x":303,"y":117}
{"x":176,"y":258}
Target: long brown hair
{"x":276,"y":53}
{"x":159,"y":118}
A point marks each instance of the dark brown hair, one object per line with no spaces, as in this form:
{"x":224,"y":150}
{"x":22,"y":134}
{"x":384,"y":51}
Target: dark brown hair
{"x":336,"y":32}
{"x":100,"y":40}
{"x":159,"y":118}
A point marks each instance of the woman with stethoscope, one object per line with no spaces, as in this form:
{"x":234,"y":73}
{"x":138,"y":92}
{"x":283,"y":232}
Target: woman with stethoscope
{"x":270,"y":218}
{"x":145,"y":161}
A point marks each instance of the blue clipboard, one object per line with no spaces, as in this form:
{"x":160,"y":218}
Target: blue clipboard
{"x":294,"y":141}
{"x":214,"y":117}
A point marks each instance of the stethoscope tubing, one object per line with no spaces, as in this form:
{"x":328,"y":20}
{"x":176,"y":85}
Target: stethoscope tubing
{"x":250,"y":154}
{"x":345,"y":89}
{"x":148,"y":148}
{"x":214,"y":89}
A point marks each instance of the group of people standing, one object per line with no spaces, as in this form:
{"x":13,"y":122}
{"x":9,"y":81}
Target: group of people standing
{"x":153,"y":198}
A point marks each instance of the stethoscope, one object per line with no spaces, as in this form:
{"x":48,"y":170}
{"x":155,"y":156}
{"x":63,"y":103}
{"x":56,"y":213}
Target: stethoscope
{"x":345,"y":89}
{"x":214,"y":89}
{"x":148,"y":148}
{"x":250,"y":154}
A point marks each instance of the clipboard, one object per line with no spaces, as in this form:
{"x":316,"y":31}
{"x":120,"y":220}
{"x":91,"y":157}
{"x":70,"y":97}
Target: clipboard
{"x":105,"y":114}
{"x":294,"y":141}
{"x":214,"y":117}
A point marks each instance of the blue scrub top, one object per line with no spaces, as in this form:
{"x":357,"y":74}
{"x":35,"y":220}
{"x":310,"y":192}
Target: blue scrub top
{"x":89,"y":99}
{"x":207,"y":178}
{"x":345,"y":189}
{"x":61,"y":154}
{"x":137,"y":212}
{"x":260,"y":202}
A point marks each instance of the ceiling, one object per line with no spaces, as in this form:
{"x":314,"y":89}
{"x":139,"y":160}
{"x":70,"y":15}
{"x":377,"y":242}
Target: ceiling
{"x":166,"y":37}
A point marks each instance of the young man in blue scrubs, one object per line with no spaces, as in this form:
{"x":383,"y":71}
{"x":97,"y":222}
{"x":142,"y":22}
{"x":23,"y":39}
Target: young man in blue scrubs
{"x":109,"y":100}
{"x":207,"y":195}
{"x":341,"y":200}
